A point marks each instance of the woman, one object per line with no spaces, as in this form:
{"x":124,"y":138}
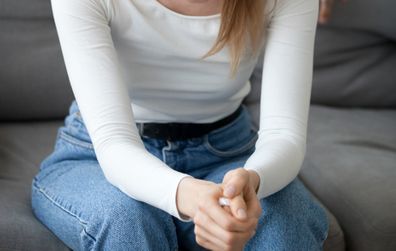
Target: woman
{"x":157,"y":136}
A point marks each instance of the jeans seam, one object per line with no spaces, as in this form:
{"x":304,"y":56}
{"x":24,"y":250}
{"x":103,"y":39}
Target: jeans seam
{"x":326,"y":235}
{"x":240,"y":150}
{"x":82,"y":222}
{"x":75,"y":141}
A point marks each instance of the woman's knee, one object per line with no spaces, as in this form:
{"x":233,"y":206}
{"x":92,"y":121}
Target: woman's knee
{"x":132,"y":225}
{"x":291,"y":220}
{"x":87,"y":212}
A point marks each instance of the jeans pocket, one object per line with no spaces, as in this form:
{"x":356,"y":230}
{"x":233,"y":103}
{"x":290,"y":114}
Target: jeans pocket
{"x":233,"y":139}
{"x":75,"y":132}
{"x":231,"y":147}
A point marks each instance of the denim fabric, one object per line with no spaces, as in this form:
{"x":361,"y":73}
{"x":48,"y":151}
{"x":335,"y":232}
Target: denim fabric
{"x":71,"y":196}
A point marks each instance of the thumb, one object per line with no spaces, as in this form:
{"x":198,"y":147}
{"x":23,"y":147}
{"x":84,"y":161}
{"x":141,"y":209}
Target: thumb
{"x":238,"y":207}
{"x":235,"y":182}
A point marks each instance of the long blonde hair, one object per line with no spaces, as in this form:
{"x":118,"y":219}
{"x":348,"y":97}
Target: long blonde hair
{"x":242,"y":22}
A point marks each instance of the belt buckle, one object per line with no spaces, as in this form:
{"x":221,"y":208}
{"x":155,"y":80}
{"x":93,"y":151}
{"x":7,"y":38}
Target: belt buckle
{"x":171,"y":131}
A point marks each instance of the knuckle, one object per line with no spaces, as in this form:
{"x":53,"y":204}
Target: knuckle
{"x":258,"y":212}
{"x":229,"y":239}
{"x":253,"y":224}
{"x":202,"y":220}
{"x":200,"y":205}
{"x":196,"y":215}
{"x":203,"y":204}
{"x":227,"y":175}
{"x":216,"y":190}
{"x":242,"y":171}
{"x":197,"y":231}
{"x":258,"y":209}
{"x":228,"y":225}
{"x":199,"y":240}
{"x":228,"y":247}
{"x":237,"y":170}
{"x":233,"y":171}
{"x":197,"y":218}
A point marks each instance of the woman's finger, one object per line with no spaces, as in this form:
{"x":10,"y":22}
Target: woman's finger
{"x":326,"y":6}
{"x":223,"y":218}
{"x":208,"y":229}
{"x":210,"y":240}
{"x":205,"y":243}
{"x":253,"y":203}
{"x":226,"y":206}
{"x":234,"y":182}
{"x":238,"y":207}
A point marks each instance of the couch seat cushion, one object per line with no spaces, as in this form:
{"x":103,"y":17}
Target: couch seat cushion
{"x":22,"y":147}
{"x":351,"y":166}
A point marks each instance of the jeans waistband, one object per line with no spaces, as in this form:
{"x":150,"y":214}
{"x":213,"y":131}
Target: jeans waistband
{"x":181,"y":131}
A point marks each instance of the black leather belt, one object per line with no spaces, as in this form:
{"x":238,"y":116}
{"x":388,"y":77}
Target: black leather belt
{"x":181,"y":131}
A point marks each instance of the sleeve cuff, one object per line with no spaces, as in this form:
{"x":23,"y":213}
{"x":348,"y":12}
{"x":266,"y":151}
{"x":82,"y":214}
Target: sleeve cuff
{"x":174,"y":211}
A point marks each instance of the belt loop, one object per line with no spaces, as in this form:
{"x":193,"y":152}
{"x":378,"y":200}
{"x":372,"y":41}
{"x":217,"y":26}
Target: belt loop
{"x":140,"y":128}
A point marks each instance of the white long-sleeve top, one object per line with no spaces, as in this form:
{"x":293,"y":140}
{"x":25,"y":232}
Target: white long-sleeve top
{"x":132,"y":61}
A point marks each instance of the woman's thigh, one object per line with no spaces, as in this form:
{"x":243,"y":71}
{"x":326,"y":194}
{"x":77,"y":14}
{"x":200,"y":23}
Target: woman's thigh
{"x":71,"y":196}
{"x":291,"y":219}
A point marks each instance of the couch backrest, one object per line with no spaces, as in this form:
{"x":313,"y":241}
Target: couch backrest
{"x":355,"y":56}
{"x":33,"y":79}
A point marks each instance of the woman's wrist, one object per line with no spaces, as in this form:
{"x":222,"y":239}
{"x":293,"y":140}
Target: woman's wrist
{"x":183,"y":197}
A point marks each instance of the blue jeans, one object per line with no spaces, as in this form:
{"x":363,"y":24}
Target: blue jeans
{"x":71,"y":196}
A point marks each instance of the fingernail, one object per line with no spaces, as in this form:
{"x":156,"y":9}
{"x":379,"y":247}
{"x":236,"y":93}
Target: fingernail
{"x":241,"y":213}
{"x":229,"y":191}
{"x":254,"y":232}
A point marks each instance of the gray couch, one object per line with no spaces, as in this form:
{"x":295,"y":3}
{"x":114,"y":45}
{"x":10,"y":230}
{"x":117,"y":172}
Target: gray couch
{"x":350,"y":164}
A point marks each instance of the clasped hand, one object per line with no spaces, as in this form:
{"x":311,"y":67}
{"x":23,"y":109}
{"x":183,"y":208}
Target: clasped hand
{"x":221,"y":227}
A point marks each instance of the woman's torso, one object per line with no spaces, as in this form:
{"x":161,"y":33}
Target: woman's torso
{"x":160,"y":53}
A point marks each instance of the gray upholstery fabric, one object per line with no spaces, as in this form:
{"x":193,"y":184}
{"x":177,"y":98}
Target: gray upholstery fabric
{"x":22,"y":147}
{"x":351,"y":166}
{"x":33,"y":79}
{"x":25,"y":9}
{"x":355,"y":56}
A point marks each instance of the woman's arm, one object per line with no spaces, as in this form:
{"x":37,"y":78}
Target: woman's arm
{"x":95,"y":77}
{"x":285,"y":95}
